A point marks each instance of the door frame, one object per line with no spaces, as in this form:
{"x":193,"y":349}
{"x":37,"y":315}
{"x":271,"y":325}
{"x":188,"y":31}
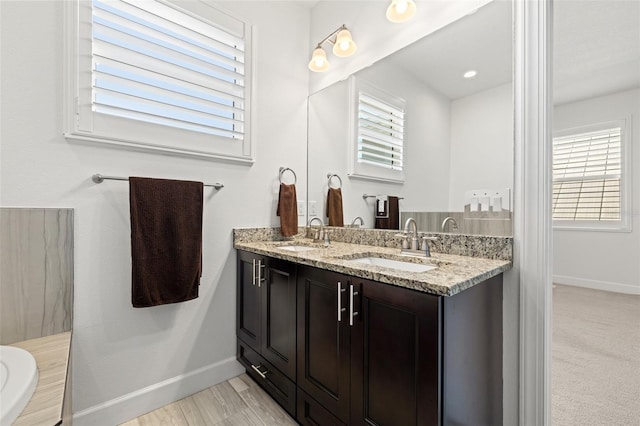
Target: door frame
{"x":532,"y":204}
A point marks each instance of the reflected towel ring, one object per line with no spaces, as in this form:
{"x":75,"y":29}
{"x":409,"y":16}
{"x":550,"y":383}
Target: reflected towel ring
{"x":332,"y":175}
{"x":284,"y":169}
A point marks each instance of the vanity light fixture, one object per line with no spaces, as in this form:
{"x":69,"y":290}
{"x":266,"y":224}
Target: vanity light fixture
{"x":401,"y":10}
{"x":470,"y":74}
{"x":343,"y":46}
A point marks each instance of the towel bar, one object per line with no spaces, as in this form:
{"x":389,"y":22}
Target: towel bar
{"x":365,"y":196}
{"x":98,"y":178}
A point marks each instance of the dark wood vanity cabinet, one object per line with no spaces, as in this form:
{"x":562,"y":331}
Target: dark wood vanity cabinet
{"x":324,"y":343}
{"x":395,"y":344}
{"x":371,"y":353}
{"x":266,"y":323}
{"x":368,"y":353}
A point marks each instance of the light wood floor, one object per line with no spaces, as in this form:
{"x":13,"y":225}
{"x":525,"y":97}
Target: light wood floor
{"x":236,"y":402}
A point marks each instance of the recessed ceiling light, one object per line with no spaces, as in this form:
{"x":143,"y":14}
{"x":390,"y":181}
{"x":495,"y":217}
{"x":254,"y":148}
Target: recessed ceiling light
{"x":470,"y":74}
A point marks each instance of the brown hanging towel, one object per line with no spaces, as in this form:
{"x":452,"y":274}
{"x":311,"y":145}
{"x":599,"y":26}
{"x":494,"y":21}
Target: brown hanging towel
{"x":288,"y":210}
{"x":334,"y":207}
{"x":392,"y":219}
{"x":166,"y":240}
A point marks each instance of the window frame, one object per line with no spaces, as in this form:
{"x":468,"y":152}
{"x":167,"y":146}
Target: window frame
{"x":624,"y":224}
{"x":137,"y":135}
{"x":367,"y":171}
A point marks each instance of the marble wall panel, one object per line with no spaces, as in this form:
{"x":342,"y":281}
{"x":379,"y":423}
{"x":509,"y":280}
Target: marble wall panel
{"x":36,"y":272}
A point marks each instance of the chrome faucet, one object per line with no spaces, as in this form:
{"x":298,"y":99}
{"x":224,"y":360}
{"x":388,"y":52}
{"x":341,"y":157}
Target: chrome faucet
{"x":454,"y":224}
{"x":410,"y":244}
{"x":356,"y":219}
{"x":411,"y":223}
{"x":319,"y":233}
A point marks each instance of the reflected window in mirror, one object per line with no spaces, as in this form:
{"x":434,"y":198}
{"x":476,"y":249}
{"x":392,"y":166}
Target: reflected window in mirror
{"x":378,"y":142}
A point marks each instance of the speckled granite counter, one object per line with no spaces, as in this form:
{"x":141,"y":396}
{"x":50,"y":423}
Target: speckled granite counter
{"x":454,"y":273}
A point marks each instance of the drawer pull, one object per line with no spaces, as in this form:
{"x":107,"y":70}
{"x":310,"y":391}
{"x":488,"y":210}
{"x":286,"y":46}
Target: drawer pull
{"x":257,"y":370}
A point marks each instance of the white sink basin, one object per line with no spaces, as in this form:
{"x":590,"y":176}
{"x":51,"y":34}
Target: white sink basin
{"x":296,"y":248}
{"x":393,"y":264}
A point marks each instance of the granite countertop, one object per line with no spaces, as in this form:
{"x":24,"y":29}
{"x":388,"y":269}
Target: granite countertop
{"x":453,"y":274}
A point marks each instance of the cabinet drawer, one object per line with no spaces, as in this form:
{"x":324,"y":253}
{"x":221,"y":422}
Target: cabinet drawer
{"x":312,"y":413}
{"x":277,"y":385}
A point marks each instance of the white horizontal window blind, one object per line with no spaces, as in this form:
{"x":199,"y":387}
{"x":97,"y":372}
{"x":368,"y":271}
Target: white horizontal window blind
{"x":380,"y":133}
{"x":157,"y":64}
{"x":587,"y":174}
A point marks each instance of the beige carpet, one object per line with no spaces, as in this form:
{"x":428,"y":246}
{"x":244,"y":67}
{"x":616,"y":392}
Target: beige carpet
{"x":596,"y":358}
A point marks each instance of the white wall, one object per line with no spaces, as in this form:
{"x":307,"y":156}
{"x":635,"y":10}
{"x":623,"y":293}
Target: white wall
{"x":602,"y":260}
{"x":481,"y":143}
{"x":427,"y":146}
{"x":175,"y":349}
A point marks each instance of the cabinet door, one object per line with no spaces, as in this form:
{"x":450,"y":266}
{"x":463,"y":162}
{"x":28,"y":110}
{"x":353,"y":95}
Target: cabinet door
{"x":323,"y":340}
{"x":278,"y":292}
{"x":248,"y":300}
{"x":395,"y":363}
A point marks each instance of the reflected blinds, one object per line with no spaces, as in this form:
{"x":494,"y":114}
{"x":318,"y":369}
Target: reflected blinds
{"x":157,"y":64}
{"x":380,"y":133}
{"x":587,"y":170}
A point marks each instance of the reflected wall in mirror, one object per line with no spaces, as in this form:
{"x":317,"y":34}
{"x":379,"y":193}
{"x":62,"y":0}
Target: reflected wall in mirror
{"x":458,"y":132}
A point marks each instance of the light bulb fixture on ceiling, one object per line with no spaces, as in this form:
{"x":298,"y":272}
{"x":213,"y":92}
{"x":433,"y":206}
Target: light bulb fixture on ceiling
{"x":401,"y":10}
{"x":343,"y":46}
{"x":470,"y":74}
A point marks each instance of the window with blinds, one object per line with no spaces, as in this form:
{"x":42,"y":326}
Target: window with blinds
{"x":380,"y":133}
{"x":167,"y":75}
{"x":587,"y":176}
{"x":155,"y":64}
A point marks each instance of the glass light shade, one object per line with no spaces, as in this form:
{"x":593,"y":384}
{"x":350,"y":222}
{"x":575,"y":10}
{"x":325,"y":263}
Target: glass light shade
{"x":344,"y":45}
{"x":401,"y":10}
{"x":318,"y":62}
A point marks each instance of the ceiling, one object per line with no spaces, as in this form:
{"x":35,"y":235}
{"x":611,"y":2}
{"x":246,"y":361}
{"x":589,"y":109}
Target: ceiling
{"x":596,"y":50}
{"x":481,"y":41}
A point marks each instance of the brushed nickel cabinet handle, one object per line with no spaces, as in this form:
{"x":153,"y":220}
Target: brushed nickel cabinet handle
{"x":351,"y":311}
{"x":257,"y":370}
{"x":253,"y":278}
{"x":260,"y":278}
{"x":340,"y":308}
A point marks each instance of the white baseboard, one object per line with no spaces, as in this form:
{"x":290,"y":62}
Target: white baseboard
{"x":144,"y":400}
{"x":597,"y":285}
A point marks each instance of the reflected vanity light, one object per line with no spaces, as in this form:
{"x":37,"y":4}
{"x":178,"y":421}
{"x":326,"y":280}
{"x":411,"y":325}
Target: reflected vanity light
{"x":401,"y":10}
{"x":470,"y":74}
{"x":343,"y":46}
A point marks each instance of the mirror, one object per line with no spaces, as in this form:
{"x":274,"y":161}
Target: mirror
{"x":458,"y":132}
